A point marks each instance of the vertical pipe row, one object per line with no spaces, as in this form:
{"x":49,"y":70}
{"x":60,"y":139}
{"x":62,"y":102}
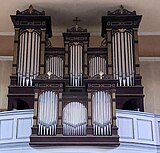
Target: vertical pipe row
{"x":131,"y":56}
{"x":123,"y":65}
{"x":102,"y":119}
{"x":55,"y":66}
{"x":97,"y":65}
{"x":20,"y":60}
{"x":38,"y":54}
{"x":115,"y":58}
{"x":47,"y":113}
{"x":123,"y":59}
{"x":114,"y":55}
{"x":32,"y":58}
{"x":126,"y":58}
{"x":80,"y":64}
{"x":35,"y":57}
{"x":73,"y":65}
{"x":119,"y":58}
{"x":76,"y":65}
{"x":28,"y":63}
{"x":24,"y":59}
{"x":28,"y":59}
{"x":74,"y":119}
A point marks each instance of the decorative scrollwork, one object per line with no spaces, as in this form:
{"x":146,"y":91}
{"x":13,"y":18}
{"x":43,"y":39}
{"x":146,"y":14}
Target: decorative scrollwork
{"x":76,"y":29}
{"x":102,"y":76}
{"x":122,"y":31}
{"x":47,"y":77}
{"x":121,"y":11}
{"x":30,"y":11}
{"x":48,"y":43}
{"x":104,"y":43}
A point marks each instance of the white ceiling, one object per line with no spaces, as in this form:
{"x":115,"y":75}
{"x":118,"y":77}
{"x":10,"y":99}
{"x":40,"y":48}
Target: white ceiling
{"x":89,"y":11}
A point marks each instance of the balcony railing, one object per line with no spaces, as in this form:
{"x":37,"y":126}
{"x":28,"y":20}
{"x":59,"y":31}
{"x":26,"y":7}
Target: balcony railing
{"x":134,"y":127}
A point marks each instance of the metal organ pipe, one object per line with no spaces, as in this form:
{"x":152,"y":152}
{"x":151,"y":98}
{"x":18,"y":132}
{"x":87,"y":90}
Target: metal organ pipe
{"x":47,"y":113}
{"x":28,"y":61}
{"x":123,"y":65}
{"x":102,"y":118}
{"x":74,"y":119}
{"x":55,"y":65}
{"x":20,"y":60}
{"x":97,"y":65}
{"x":76,"y":64}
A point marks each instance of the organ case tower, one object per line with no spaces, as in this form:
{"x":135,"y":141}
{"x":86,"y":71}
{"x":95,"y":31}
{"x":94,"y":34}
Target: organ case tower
{"x":32,"y":29}
{"x":120,"y":29}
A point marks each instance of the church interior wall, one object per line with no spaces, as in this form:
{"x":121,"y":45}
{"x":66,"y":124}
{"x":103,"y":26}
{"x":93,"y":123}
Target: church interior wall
{"x":5,"y":69}
{"x":150,"y":71}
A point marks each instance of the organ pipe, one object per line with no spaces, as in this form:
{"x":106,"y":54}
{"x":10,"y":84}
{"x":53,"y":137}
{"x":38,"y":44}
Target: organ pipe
{"x":123,"y":65}
{"x":47,"y":113}
{"x":28,"y":61}
{"x":101,"y":117}
{"x":76,"y":64}
{"x":55,"y":66}
{"x":74,"y":119}
{"x":97,"y":65}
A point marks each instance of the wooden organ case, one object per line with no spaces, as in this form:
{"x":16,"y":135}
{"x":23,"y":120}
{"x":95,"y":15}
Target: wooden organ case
{"x":83,"y":104}
{"x":75,"y":89}
{"x":32,"y":29}
{"x":120,"y":30}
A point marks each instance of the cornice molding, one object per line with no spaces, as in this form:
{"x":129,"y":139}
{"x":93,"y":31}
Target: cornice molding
{"x":142,"y":59}
{"x":92,"y":33}
{"x":149,"y":59}
{"x":7,"y":33}
{"x":6,"y":58}
{"x":149,"y":33}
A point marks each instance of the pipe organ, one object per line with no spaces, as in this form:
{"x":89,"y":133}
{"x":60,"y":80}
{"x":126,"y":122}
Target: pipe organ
{"x":75,"y":89}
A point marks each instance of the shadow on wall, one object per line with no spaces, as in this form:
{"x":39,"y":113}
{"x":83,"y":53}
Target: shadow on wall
{"x":22,"y":105}
{"x":132,"y":104}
